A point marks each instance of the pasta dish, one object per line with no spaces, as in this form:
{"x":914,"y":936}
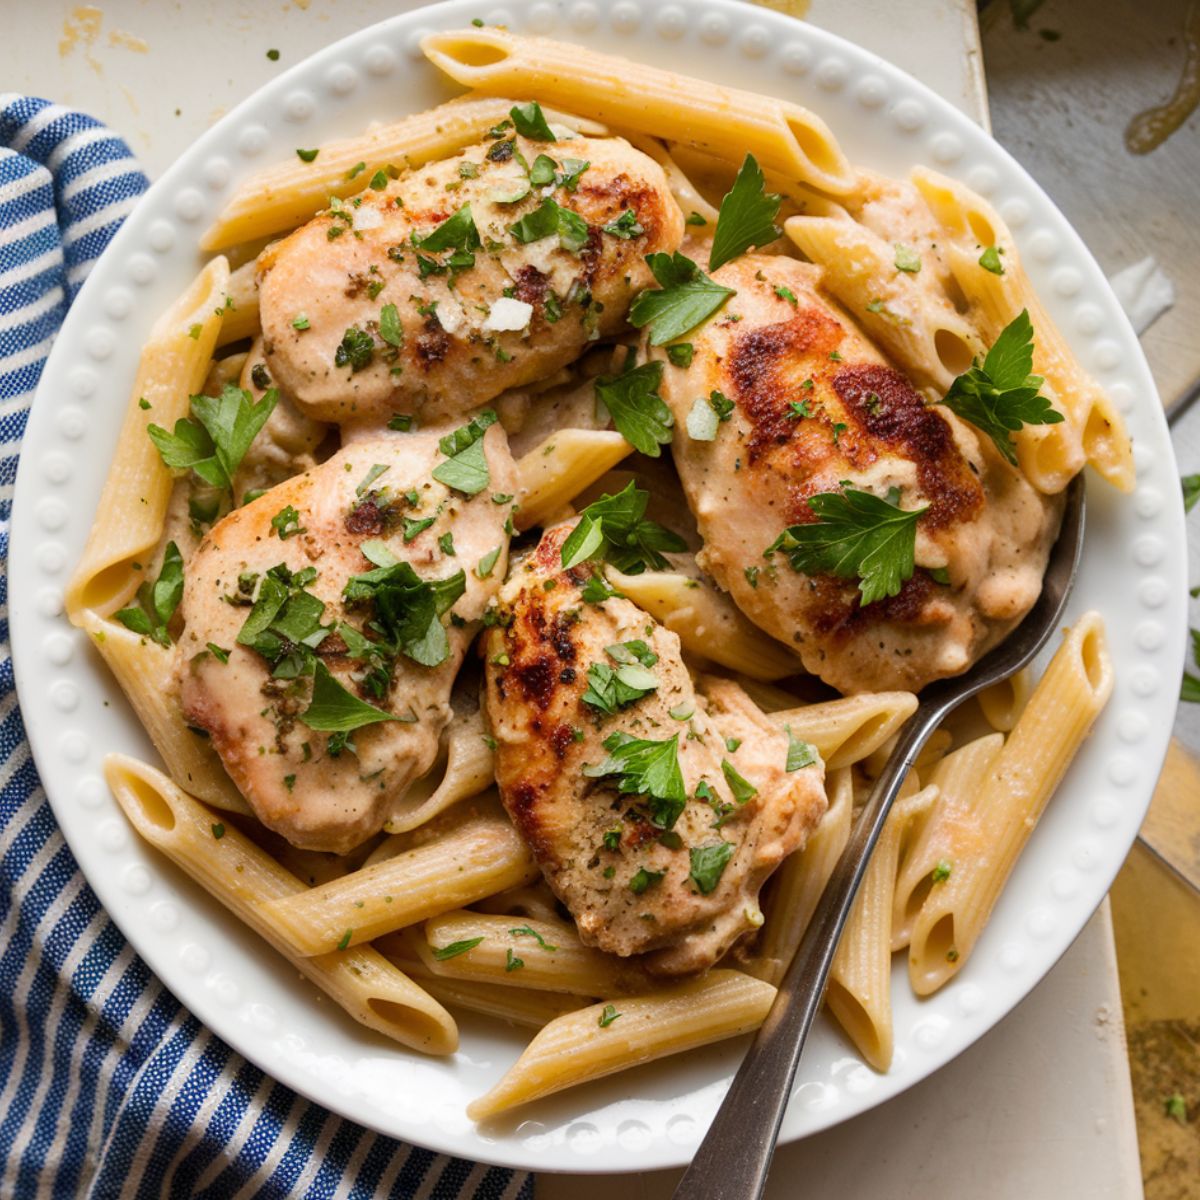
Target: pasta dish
{"x":530,"y":530}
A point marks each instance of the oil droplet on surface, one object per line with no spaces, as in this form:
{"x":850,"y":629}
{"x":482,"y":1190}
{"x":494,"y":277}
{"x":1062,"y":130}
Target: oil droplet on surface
{"x":1149,"y":129}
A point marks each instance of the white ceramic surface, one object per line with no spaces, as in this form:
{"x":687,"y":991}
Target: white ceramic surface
{"x":1133,"y":572}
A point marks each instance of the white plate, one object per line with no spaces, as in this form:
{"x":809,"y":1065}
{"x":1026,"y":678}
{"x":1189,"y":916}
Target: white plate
{"x":1133,"y":571}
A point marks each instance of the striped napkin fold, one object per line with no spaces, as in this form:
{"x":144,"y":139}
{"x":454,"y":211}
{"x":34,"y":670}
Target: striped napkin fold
{"x":109,"y":1088}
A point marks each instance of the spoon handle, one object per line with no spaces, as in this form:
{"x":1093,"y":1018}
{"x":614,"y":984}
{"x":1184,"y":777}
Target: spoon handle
{"x":733,"y":1159}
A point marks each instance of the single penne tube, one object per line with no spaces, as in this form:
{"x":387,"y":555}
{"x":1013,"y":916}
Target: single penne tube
{"x":613,"y":1036}
{"x":146,"y":673}
{"x":1003,"y":702}
{"x":721,"y":120}
{"x":847,"y":731}
{"x":239,"y":316}
{"x":290,"y":193}
{"x":241,"y":876}
{"x":1060,"y":713}
{"x":948,"y":833}
{"x":133,"y":505}
{"x":860,"y":981}
{"x":797,"y":886}
{"x":708,"y":623}
{"x":522,"y":952}
{"x":464,"y":768}
{"x":223,"y":372}
{"x":1092,"y":431}
{"x":484,"y":854}
{"x":916,"y":325}
{"x":516,"y":1005}
{"x":551,"y":474}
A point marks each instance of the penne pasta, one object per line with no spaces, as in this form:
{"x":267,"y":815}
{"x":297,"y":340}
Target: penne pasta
{"x":239,"y":318}
{"x":555,"y":472}
{"x":242,"y":877}
{"x":721,"y":120}
{"x":708,"y":623}
{"x":549,"y":954}
{"x":1092,"y":432}
{"x":605,"y":1038}
{"x":860,"y":982}
{"x":847,"y":731}
{"x":133,"y":504}
{"x":1003,"y":703}
{"x":146,"y":673}
{"x":1065,"y":703}
{"x":797,"y":886}
{"x":288,"y":194}
{"x":484,"y":854}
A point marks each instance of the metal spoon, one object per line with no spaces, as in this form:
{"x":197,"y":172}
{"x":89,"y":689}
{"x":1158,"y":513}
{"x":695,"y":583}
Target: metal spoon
{"x":733,"y":1159}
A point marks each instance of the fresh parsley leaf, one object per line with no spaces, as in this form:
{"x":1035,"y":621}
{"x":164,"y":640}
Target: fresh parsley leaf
{"x":529,"y":931}
{"x":681,"y":354}
{"x":684,"y":298}
{"x":543,"y":170}
{"x":626,"y":226}
{"x":465,"y":468}
{"x":548,"y":219}
{"x":907,"y":259}
{"x":401,"y":423}
{"x":414,"y":526}
{"x":511,"y":961}
{"x":1191,"y":491}
{"x":989,"y":260}
{"x":708,"y":865}
{"x":530,"y":122}
{"x":214,"y":440}
{"x":356,"y":350}
{"x":1001,"y":396}
{"x":747,"y":216}
{"x":379,"y":180}
{"x":307,"y":155}
{"x":645,"y":767}
{"x":597,"y":589}
{"x":857,"y":535}
{"x":637,"y":410}
{"x":644,"y":879}
{"x":222,"y":656}
{"x":286,"y":523}
{"x":610,"y":691}
{"x":786,"y":293}
{"x":390,"y":328}
{"x":454,"y":949}
{"x":284,"y":623}
{"x":572,"y":170}
{"x":739,"y":785}
{"x":456,"y":232}
{"x":157,"y":601}
{"x":487,"y":564}
{"x":614,"y":528}
{"x":631,"y":652}
{"x":799,"y":753}
{"x":608,"y":1016}
{"x":335,"y":710}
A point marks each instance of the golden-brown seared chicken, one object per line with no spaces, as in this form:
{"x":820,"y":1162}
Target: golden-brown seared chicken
{"x":816,"y":404}
{"x":655,"y":812}
{"x":269,"y":628}
{"x":477,"y":309}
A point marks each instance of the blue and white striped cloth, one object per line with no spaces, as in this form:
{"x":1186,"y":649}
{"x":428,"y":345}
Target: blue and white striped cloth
{"x":109,"y":1088}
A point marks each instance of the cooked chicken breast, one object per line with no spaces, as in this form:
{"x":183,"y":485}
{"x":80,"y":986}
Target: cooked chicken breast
{"x":372,"y":504}
{"x":667,"y":859}
{"x":488,"y":310}
{"x":815,"y":404}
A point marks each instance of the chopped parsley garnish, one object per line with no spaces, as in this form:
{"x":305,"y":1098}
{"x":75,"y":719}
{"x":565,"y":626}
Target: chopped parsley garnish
{"x":543,"y":170}
{"x":390,"y":328}
{"x":694,"y":218}
{"x":356,"y":350}
{"x":799,"y":753}
{"x":941,"y":872}
{"x":157,"y":601}
{"x":739,"y":785}
{"x":218,"y":831}
{"x":548,"y":219}
{"x":511,"y":961}
{"x":222,"y":656}
{"x":1191,"y":491}
{"x":786,"y":293}
{"x":273,"y":55}
{"x":608,"y":1016}
{"x":644,"y":879}
{"x":685,"y":297}
{"x":413,"y":526}
{"x":308,"y":155}
{"x":286,"y":523}
{"x":612,"y":839}
{"x":637,"y":410}
{"x":706,"y":415}
{"x":529,"y":931}
{"x":401,"y":423}
{"x":751,"y":574}
{"x":530,"y":122}
{"x":597,"y":589}
{"x":681,"y":354}
{"x":610,"y":691}
{"x":645,"y":767}
{"x":356,"y":170}
{"x":284,"y":622}
{"x":856,"y":536}
{"x":907,"y":259}
{"x":333,"y":709}
{"x":732,"y":744}
{"x":379,"y":180}
{"x":446,"y":544}
{"x":457,"y":234}
{"x":454,"y":949}
{"x":572,"y":169}
{"x":487,"y":564}
{"x":747,"y":216}
{"x":1175,"y":1106}
{"x":626,"y":226}
{"x":939,"y":575}
{"x":989,"y":260}
{"x":214,"y":440}
{"x":798,"y":410}
{"x":708,"y":865}
{"x":301,"y":322}
{"x":465,"y":468}
{"x":1001,"y":395}
{"x":614,"y":528}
